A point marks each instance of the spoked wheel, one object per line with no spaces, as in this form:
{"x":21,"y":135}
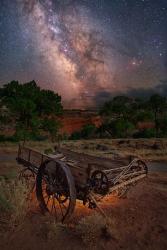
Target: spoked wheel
{"x":139,"y":165}
{"x":142,"y":165}
{"x":55,"y":190}
{"x":99,"y":182}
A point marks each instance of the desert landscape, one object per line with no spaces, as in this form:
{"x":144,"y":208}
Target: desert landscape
{"x":135,"y":221}
{"x":83,"y":125}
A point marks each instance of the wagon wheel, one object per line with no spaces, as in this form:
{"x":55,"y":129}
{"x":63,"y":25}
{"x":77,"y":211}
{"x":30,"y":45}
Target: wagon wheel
{"x":55,"y":189}
{"x":142,"y":165}
{"x":139,"y":165}
{"x":100,"y":182}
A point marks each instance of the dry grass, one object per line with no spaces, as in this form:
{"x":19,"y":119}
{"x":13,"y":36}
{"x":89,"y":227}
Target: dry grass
{"x":102,"y":147}
{"x":58,"y":231}
{"x":90,"y":231}
{"x":9,"y":147}
{"x":110,"y":148}
{"x":13,"y":201}
{"x":93,"y":229}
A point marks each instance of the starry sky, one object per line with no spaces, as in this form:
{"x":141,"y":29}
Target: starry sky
{"x":86,"y":50}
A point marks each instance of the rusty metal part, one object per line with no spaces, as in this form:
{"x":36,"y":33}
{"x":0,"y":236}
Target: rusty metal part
{"x":60,"y":180}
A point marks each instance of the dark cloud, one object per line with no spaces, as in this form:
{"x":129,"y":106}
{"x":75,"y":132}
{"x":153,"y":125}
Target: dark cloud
{"x":144,"y":93}
{"x":140,"y":92}
{"x":102,"y":97}
{"x":160,"y":89}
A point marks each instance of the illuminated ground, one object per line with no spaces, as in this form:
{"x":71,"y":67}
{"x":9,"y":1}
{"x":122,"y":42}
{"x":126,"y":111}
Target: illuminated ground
{"x":139,"y":220}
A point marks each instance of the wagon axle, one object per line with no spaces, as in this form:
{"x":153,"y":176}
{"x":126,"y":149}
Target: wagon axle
{"x":57,"y":191}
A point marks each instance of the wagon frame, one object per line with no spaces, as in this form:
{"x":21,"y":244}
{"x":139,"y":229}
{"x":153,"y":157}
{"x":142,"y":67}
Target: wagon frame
{"x":61,"y":179}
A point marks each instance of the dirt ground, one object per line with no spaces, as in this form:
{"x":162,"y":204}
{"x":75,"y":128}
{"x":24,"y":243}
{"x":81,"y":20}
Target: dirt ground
{"x":139,"y":221}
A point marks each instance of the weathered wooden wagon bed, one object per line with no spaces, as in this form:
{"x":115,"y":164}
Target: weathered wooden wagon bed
{"x":65,"y":176}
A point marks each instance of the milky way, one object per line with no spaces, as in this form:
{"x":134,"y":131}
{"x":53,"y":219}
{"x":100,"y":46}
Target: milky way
{"x":86,"y":51}
{"x":71,"y":47}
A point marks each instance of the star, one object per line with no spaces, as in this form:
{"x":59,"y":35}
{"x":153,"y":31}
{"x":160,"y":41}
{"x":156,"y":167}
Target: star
{"x":78,"y":47}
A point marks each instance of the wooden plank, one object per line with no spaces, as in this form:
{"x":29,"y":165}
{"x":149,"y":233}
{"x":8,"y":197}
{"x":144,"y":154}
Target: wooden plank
{"x":35,"y":158}
{"x":133,"y":174}
{"x":130,"y":174}
{"x":126,"y":183}
{"x":92,"y":197}
{"x":114,"y":169}
{"x":28,"y":165}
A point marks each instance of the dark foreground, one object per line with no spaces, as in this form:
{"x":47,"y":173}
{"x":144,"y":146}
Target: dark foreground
{"x":139,"y":221}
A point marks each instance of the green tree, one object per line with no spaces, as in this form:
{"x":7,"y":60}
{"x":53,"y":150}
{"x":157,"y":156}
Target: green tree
{"x":121,"y":128}
{"x":163,"y":126}
{"x":49,"y":103}
{"x":158,"y":105}
{"x":87,"y":131}
{"x":118,"y":116}
{"x":118,"y":107}
{"x":29,"y":106}
{"x":133,"y":111}
{"x":143,"y":116}
{"x":51,"y":126}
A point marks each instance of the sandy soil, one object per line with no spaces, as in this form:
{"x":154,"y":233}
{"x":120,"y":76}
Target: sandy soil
{"x":139,"y":221}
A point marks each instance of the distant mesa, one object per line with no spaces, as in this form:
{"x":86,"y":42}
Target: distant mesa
{"x":74,"y":120}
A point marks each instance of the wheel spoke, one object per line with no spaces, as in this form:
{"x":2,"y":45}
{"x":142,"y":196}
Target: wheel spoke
{"x":60,"y":207}
{"x":55,"y":184}
{"x":48,"y":200}
{"x":64,"y":206}
{"x":45,"y":196}
{"x":55,"y":208}
{"x":52,"y":203}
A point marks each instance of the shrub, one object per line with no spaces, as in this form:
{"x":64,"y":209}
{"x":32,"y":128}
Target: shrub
{"x":2,"y":138}
{"x":48,"y":151}
{"x":121,"y":128}
{"x":87,"y":131}
{"x":51,"y":126}
{"x":163,"y":126}
{"x":75,"y":135}
{"x":145,"y":133}
{"x":58,"y":231}
{"x":92,"y":228}
{"x":143,"y":115}
{"x":5,"y":205}
{"x":13,"y":200}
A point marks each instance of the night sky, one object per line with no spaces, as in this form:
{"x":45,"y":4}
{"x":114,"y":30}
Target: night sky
{"x":87,"y":50}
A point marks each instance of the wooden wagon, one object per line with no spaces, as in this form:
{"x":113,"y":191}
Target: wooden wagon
{"x":65,"y":176}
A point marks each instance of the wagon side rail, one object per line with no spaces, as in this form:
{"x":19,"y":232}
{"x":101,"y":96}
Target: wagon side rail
{"x":30,"y":158}
{"x":33,"y":159}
